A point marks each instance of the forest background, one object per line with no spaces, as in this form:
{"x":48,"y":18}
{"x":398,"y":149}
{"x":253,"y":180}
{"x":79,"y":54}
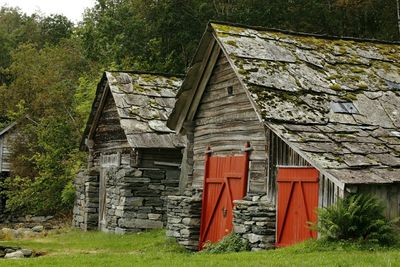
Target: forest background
{"x":50,"y":67}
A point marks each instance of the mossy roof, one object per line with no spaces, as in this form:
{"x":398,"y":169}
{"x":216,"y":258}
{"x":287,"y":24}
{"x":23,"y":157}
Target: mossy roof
{"x":294,"y":80}
{"x":144,"y":102}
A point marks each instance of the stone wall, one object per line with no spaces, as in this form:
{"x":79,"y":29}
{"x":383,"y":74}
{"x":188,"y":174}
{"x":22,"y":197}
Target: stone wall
{"x":135,"y":199}
{"x":184,"y":214}
{"x":254,"y":220}
{"x":86,"y":208}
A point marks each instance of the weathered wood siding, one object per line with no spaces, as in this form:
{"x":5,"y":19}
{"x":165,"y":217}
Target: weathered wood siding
{"x":329,"y":192}
{"x":225,"y":123}
{"x":5,"y":152}
{"x":280,"y":154}
{"x":109,"y":137}
{"x":389,"y":194}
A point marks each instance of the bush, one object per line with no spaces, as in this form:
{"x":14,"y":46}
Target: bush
{"x":359,"y":218}
{"x":230,"y":243}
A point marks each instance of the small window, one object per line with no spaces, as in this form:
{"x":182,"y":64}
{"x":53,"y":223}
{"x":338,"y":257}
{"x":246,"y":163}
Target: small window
{"x":344,"y":107}
{"x":230,"y":90}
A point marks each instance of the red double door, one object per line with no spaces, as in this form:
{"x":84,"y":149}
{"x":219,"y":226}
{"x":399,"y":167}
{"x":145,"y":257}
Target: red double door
{"x":225,"y":181}
{"x":297,"y":203}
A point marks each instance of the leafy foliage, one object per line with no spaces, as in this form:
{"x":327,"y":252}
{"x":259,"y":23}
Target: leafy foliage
{"x":358,"y":217}
{"x":230,"y":243}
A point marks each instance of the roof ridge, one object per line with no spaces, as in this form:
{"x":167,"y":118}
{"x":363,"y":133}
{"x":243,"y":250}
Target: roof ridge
{"x":165,"y":74}
{"x":322,"y":36}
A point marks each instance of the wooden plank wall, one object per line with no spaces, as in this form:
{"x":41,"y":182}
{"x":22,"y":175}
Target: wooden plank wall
{"x":280,"y":154}
{"x":389,"y":194}
{"x":329,"y":193}
{"x":226,"y":122}
{"x":5,"y":152}
{"x":148,"y":156}
{"x":109,"y":135}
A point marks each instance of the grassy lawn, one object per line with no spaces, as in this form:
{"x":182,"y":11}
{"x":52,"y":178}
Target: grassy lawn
{"x":92,"y":249}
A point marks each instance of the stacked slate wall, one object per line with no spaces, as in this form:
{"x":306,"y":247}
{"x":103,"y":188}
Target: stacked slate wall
{"x":183,"y":224}
{"x":135,"y":199}
{"x":86,"y":208}
{"x":254,"y":219}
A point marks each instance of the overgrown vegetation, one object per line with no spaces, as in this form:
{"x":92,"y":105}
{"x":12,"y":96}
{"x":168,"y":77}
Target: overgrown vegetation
{"x":49,"y":69}
{"x":357,"y":218}
{"x":230,"y":243}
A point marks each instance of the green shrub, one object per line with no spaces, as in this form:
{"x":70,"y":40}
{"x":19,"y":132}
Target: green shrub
{"x":230,"y":243}
{"x":68,"y":195}
{"x":359,"y":218}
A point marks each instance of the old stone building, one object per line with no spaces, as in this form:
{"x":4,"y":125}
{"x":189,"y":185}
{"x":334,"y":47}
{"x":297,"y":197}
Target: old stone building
{"x":134,"y":159}
{"x":281,"y":123}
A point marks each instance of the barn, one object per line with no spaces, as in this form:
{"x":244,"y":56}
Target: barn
{"x":6,"y":136}
{"x":280,"y":123}
{"x":134,"y":159}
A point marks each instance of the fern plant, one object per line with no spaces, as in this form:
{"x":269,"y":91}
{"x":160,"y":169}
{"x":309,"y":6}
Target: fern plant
{"x":358,"y":217}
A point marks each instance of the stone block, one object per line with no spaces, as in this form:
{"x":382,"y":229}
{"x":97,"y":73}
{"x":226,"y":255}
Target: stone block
{"x":140,"y":223}
{"x":172,"y":174}
{"x":154,"y":174}
{"x":156,"y":187}
{"x":191,"y":221}
{"x":154,"y":216}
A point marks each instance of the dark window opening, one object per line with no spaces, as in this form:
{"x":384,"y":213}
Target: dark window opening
{"x":230,"y":90}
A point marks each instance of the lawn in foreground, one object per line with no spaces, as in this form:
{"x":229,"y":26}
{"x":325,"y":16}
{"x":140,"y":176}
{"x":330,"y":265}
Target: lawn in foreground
{"x":75,"y":248}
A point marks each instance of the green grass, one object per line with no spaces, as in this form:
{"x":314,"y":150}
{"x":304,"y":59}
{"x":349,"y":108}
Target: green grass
{"x":92,"y":249}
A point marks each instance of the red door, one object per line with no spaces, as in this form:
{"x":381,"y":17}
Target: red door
{"x":297,"y":201}
{"x":225,"y":181}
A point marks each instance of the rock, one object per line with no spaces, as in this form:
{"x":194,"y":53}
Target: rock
{"x":9,"y":234}
{"x":14,"y":255}
{"x":10,"y":250}
{"x":2,"y":253}
{"x":26,"y":252}
{"x":38,"y":228}
{"x":191,"y":221}
{"x":154,"y":216}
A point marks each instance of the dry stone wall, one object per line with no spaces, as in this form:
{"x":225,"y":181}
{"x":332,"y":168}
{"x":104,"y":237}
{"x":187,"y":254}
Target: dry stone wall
{"x":135,"y":199}
{"x":184,"y":214}
{"x":86,"y":208}
{"x":254,"y":220}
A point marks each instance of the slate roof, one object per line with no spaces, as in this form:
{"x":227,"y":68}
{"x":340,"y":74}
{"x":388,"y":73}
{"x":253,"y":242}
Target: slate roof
{"x":144,"y":102}
{"x":297,"y":81}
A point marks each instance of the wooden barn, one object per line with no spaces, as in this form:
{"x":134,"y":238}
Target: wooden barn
{"x":320,"y":117}
{"x":134,"y":159}
{"x":6,"y":136}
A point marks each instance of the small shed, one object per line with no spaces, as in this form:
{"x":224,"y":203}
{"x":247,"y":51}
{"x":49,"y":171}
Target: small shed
{"x":320,"y":117}
{"x":134,"y":159}
{"x":6,"y":136}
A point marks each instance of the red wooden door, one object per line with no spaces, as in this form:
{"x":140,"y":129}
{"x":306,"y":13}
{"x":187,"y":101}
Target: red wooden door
{"x":297,"y":201}
{"x":225,"y":181}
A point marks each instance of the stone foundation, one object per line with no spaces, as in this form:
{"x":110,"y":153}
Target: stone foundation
{"x":254,"y":220}
{"x":135,"y":199}
{"x":86,"y":208}
{"x":184,"y":214}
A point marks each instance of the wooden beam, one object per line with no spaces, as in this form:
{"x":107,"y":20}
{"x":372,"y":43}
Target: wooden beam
{"x":98,"y":112}
{"x":195,"y":86}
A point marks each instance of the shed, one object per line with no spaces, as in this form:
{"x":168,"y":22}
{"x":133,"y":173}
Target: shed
{"x":6,"y":136}
{"x":320,"y":115}
{"x":134,"y":159}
